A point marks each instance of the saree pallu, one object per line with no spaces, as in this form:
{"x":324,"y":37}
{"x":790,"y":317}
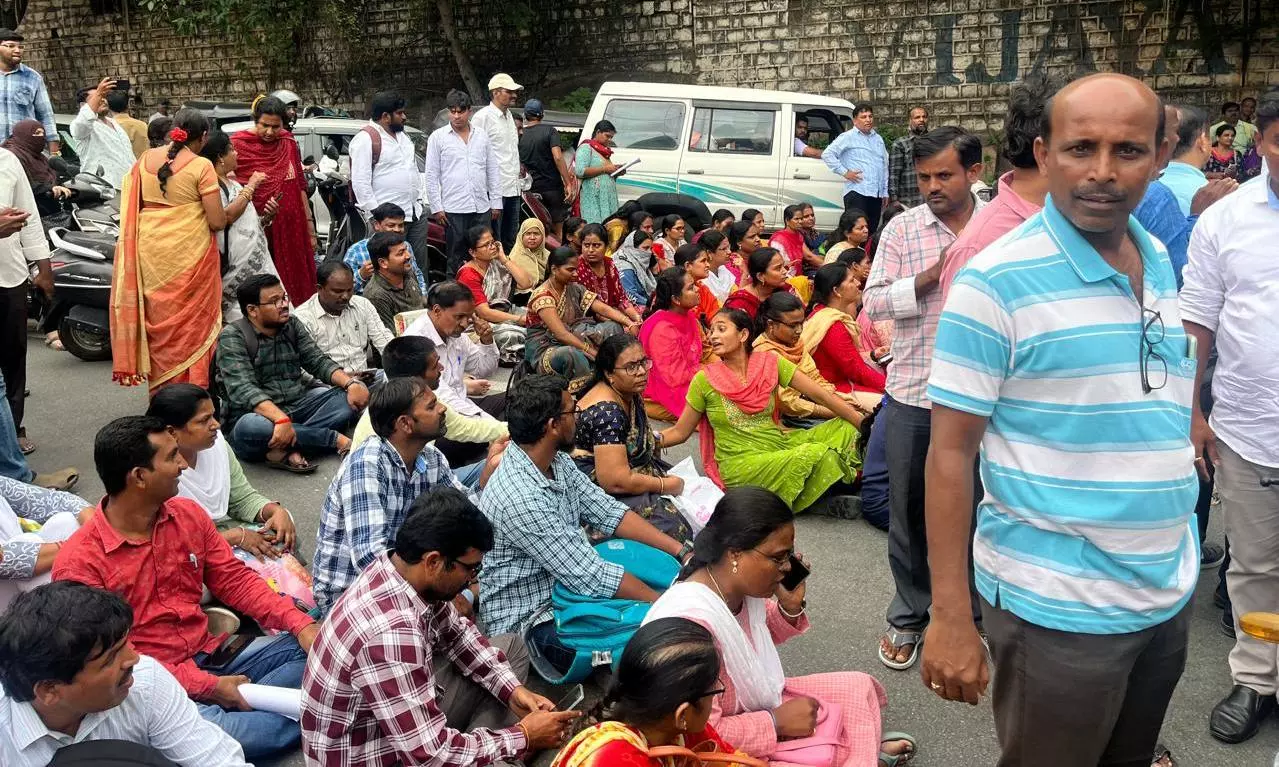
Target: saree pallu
{"x":615,"y":744}
{"x":289,"y":234}
{"x":166,"y":287}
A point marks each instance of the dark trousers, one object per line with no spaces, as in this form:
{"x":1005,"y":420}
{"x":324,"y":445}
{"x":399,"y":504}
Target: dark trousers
{"x":871,"y":206}
{"x":455,"y":236}
{"x":109,"y":753}
{"x":1065,"y":700}
{"x":461,"y":454}
{"x":317,"y":417}
{"x":13,"y":348}
{"x":907,"y":430}
{"x":415,"y":234}
{"x":875,"y":476}
{"x":508,"y":224}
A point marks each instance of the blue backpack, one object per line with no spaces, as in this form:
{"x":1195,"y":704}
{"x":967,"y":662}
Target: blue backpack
{"x":598,"y":629}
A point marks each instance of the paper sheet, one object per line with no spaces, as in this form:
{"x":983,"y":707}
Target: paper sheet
{"x":625,"y":168}
{"x":277,"y":700}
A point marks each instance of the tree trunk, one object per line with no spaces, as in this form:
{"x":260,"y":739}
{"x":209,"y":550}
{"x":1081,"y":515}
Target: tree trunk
{"x":449,"y":28}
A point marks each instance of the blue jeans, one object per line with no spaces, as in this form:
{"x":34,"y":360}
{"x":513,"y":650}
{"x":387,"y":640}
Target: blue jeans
{"x":470,"y":475}
{"x":277,"y":661}
{"x":316,"y":418}
{"x":12,"y":463}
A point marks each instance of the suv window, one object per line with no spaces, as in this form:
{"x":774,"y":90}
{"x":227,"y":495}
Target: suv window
{"x":736,"y":131}
{"x":646,"y":124}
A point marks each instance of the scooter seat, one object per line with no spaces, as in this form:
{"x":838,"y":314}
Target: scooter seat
{"x":100,"y":243}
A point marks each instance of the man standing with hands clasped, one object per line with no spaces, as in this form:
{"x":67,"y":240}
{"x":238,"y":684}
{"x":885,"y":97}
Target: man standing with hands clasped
{"x":1060,"y":353}
{"x":463,"y":181}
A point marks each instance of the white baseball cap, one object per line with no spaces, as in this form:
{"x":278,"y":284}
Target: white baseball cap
{"x":503,"y":80}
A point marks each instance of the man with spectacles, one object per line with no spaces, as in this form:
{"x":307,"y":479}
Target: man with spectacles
{"x":23,"y":95}
{"x":1228,"y":300}
{"x":539,"y":503}
{"x":1060,"y":354}
{"x":260,"y":361}
{"x":400,"y":677}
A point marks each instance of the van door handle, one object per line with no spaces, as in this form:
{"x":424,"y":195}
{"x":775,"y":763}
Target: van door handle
{"x":801,"y":176}
{"x":694,"y":171}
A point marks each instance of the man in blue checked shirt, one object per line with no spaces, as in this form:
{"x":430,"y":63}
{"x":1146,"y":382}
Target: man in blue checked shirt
{"x":859,"y":155}
{"x":370,"y":497}
{"x":387,"y":217}
{"x":22,"y":92}
{"x":539,"y":501}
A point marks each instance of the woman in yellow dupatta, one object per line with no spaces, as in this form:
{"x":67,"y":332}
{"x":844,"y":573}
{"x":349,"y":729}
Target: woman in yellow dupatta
{"x":166,"y":291}
{"x":658,"y":708}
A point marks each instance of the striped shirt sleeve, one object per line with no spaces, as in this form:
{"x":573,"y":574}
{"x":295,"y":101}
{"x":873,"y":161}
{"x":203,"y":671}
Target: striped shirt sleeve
{"x":973,"y":355}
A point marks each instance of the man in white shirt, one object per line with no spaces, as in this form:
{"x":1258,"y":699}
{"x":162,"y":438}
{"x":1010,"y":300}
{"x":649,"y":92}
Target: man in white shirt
{"x":1228,"y":298}
{"x":71,"y":676}
{"x":22,"y":245}
{"x":105,"y":149}
{"x":463,"y":185}
{"x":498,"y":122}
{"x":345,"y":326}
{"x":384,"y":169}
{"x":466,"y":364}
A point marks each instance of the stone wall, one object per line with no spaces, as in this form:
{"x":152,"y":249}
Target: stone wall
{"x":957,"y":56}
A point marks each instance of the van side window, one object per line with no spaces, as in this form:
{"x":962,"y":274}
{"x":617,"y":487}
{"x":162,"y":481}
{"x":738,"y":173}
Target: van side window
{"x":645,"y":124}
{"x":735,"y":131}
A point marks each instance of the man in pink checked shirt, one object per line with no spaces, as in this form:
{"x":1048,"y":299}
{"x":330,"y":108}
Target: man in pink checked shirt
{"x":902,"y":287}
{"x":398,"y":677}
{"x":1021,"y":190}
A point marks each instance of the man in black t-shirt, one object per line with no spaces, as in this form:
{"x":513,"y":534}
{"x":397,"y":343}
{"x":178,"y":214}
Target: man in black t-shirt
{"x":541,"y":155}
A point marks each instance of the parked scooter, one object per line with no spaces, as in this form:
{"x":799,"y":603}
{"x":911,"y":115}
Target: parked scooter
{"x":81,"y":264}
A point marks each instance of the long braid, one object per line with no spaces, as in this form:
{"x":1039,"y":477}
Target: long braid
{"x":166,"y":170}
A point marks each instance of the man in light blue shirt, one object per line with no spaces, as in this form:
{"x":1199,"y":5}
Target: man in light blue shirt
{"x":1061,"y":354}
{"x":859,"y":155}
{"x":1184,"y":175}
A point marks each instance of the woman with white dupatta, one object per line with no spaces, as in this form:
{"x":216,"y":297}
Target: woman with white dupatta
{"x":733,"y":587}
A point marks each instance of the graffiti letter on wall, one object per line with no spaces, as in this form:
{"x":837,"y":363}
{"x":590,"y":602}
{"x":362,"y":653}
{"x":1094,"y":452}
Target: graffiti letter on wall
{"x":1009,"y":33}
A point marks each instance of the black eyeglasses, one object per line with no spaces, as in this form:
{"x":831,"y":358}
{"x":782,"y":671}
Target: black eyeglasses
{"x":709,"y":693}
{"x":574,"y":412}
{"x":473,"y":568}
{"x":638,"y":366}
{"x":779,"y":560}
{"x":1152,"y":333}
{"x":795,"y":326}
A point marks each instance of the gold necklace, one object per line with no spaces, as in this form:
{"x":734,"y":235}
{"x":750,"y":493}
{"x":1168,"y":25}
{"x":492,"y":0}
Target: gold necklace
{"x":715,"y":583}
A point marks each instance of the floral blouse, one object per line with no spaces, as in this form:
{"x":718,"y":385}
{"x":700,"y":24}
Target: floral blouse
{"x":22,"y":503}
{"x":607,"y":288}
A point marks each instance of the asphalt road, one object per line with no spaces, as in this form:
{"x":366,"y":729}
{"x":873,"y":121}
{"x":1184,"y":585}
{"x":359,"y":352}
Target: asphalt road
{"x":849,"y":588}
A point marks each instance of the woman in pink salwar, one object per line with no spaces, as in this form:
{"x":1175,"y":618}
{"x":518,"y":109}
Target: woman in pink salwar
{"x":732,"y":585}
{"x":672,"y":339}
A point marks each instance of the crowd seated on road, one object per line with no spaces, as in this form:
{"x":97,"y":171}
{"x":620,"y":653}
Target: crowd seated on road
{"x":473,"y":535}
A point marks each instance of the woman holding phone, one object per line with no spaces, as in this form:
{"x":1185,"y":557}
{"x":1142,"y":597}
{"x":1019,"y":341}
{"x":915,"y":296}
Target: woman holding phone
{"x":737,"y":586}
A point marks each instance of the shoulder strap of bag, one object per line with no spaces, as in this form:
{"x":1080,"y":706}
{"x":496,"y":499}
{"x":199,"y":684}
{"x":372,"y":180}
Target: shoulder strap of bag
{"x":250,"y":337}
{"x":376,"y":139}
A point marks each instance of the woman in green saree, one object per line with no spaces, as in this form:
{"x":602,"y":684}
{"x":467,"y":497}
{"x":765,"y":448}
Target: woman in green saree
{"x":734,"y":404}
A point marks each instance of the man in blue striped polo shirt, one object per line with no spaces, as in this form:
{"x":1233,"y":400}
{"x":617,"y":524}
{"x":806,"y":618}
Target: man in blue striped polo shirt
{"x":1060,"y":353}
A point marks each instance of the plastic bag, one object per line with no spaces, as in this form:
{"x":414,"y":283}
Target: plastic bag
{"x":700,"y":495}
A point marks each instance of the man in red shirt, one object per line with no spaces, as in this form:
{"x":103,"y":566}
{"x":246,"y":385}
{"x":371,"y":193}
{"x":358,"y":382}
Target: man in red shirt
{"x":159,"y":552}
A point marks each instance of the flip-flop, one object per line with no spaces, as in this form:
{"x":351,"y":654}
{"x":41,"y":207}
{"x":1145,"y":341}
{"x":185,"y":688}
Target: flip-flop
{"x":293,"y":468}
{"x":1162,"y":752}
{"x":900,"y":638}
{"x":58,"y":480}
{"x":895,"y":760}
{"x":26,"y":446}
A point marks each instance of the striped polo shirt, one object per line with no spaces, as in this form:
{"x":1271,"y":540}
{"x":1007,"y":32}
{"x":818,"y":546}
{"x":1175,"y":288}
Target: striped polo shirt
{"x":1086,"y":523}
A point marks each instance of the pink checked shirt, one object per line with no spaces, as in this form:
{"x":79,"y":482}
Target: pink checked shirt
{"x":1004,"y":213}
{"x":912,"y":242}
{"x":369,"y":691}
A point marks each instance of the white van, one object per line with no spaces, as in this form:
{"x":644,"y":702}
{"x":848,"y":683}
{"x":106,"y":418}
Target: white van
{"x":728,"y":147}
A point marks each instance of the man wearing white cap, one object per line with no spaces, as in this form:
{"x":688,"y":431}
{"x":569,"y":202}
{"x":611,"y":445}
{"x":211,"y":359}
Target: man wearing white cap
{"x":498,"y":123}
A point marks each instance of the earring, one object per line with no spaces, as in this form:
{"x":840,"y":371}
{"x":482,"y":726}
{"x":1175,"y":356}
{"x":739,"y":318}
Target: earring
{"x":734,"y":565}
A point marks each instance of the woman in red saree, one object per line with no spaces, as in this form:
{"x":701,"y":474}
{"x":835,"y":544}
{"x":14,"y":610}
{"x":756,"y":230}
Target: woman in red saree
{"x":166,"y":287}
{"x":269,"y":148}
{"x":658,"y":705}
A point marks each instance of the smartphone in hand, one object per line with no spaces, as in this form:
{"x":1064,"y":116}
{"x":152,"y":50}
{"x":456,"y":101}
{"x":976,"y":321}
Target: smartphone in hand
{"x":572,"y":700}
{"x":798,"y":572}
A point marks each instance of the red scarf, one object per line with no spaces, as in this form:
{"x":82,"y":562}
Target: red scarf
{"x":604,"y":151}
{"x":750,"y":396}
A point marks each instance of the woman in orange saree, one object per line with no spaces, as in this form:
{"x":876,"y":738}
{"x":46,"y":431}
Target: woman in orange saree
{"x":166,"y":289}
{"x":270,"y":148}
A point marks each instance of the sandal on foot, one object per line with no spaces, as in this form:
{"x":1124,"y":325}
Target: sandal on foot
{"x":900,"y":638}
{"x":306,"y":467}
{"x":895,"y":760}
{"x":58,"y":480}
{"x":26,"y":445}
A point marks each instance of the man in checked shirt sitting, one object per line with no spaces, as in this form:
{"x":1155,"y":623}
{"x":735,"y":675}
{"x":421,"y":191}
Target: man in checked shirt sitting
{"x":398,"y":676}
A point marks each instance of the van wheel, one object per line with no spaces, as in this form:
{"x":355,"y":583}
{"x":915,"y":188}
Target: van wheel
{"x":84,"y":343}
